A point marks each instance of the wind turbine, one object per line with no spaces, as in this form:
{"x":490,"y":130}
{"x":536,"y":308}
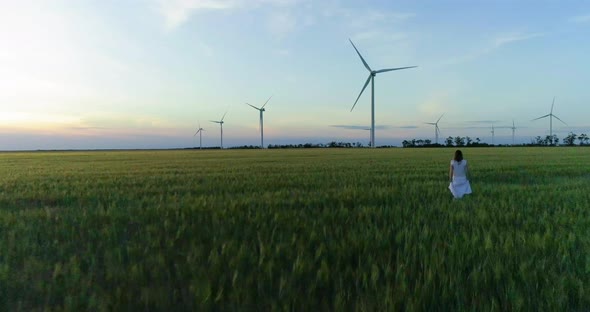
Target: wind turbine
{"x":372,"y":74}
{"x":513,"y":130}
{"x":200,"y":133}
{"x":492,"y":132}
{"x":436,"y":128}
{"x":220,"y":122}
{"x":551,"y":116}
{"x":261,"y":110}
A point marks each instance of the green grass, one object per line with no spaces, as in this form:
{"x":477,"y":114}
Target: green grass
{"x":305,"y":230}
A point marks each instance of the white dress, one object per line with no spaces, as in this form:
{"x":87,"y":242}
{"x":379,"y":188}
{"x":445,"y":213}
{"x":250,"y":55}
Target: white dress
{"x":460,"y":185}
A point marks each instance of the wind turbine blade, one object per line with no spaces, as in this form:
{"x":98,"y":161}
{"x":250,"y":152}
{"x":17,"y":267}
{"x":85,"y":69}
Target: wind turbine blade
{"x":552,"y":103}
{"x":559,"y":119}
{"x":266,"y":102}
{"x":440,"y":118}
{"x":253,"y":106}
{"x":541,"y":117}
{"x":214,"y":121}
{"x":223,"y":116}
{"x":430,"y":123}
{"x":362,"y":59}
{"x":390,"y":69}
{"x":364,"y":87}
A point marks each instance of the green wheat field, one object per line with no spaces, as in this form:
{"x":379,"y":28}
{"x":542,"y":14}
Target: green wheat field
{"x":294,"y":230}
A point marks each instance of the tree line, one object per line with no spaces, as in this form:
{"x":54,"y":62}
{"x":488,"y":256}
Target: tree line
{"x":458,"y":141}
{"x":450,"y":141}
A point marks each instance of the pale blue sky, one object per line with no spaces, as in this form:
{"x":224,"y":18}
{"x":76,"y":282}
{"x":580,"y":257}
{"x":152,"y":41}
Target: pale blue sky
{"x":141,"y":74}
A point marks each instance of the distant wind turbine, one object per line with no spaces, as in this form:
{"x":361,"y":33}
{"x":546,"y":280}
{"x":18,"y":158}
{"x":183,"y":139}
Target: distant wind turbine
{"x":372,"y":74}
{"x":261,"y":110}
{"x":551,"y":116}
{"x":513,"y":130}
{"x":436,"y":128}
{"x":492,"y":132}
{"x":200,"y":133}
{"x":220,"y":122}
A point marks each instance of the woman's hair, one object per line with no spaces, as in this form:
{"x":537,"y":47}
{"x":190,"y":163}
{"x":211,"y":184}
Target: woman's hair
{"x":458,"y":156}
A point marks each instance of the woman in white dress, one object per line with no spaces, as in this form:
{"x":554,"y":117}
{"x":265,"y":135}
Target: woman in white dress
{"x":458,"y":175}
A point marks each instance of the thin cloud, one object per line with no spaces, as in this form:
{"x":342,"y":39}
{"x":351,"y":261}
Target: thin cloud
{"x":505,"y":39}
{"x":580,"y":19}
{"x":372,"y":18}
{"x":356,"y":127}
{"x":436,"y":103}
{"x":282,"y":24}
{"x":177,"y":12}
{"x":89,"y":128}
{"x":497,"y":42}
{"x":483,"y":121}
{"x":376,"y":25}
{"x":379,"y":34}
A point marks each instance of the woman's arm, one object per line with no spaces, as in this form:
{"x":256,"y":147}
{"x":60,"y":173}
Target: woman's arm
{"x":451,"y":173}
{"x":467,"y":171}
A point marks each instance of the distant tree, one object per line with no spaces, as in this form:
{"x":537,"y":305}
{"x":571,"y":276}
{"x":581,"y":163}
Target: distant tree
{"x":548,"y":140}
{"x":427,"y":142}
{"x":583,"y":138}
{"x":570,"y":139}
{"x":539,"y":140}
{"x":554,"y":140}
{"x":459,"y":141}
{"x":477,"y":140}
{"x":468,"y":141}
{"x":449,"y":141}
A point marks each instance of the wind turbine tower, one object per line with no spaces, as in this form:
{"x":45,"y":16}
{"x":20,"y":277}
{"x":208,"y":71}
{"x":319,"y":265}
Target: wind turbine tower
{"x":436,"y":128}
{"x":220,"y":122}
{"x":492,"y":132}
{"x":551,"y":116}
{"x":261,"y":110}
{"x":200,"y":133}
{"x":372,"y":74}
{"x":513,"y":130}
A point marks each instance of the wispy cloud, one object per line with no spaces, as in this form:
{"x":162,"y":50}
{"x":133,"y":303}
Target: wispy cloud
{"x":493,"y":44}
{"x":436,"y":103}
{"x":114,"y":121}
{"x":580,"y":19}
{"x":482,"y":121}
{"x":372,"y":18}
{"x":371,"y":24}
{"x":177,"y":12}
{"x":356,"y":127}
{"x":281,"y":24}
{"x":505,"y":39}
